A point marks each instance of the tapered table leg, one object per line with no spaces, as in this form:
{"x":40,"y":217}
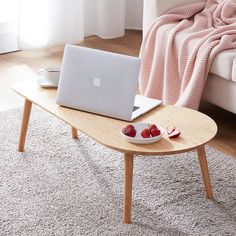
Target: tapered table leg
{"x":74,"y":133}
{"x":24,"y":125}
{"x":128,"y":177}
{"x":205,"y":172}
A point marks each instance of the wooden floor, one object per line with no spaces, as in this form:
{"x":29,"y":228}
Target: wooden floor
{"x":24,"y":65}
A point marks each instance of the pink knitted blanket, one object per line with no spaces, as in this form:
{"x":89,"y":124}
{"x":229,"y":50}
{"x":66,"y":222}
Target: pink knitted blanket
{"x":179,"y":48}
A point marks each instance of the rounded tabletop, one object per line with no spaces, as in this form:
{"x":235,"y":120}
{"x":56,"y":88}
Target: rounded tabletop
{"x":196,"y":128}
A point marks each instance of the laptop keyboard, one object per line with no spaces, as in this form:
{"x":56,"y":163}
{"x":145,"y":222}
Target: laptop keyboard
{"x":135,"y":108}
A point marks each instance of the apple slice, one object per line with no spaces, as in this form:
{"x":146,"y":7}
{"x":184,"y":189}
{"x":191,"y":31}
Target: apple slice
{"x":170,"y":129}
{"x":174,"y":134}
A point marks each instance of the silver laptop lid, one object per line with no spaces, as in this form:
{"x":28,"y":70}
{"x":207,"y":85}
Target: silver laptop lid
{"x":98,"y":81}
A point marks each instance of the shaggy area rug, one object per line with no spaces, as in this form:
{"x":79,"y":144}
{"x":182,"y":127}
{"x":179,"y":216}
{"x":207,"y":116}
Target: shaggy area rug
{"x":61,"y":186}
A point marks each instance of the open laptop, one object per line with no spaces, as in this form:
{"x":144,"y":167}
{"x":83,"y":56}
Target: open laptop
{"x":102,"y":82}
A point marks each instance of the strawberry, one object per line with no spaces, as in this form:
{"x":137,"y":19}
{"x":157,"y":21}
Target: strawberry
{"x":152,"y":126}
{"x":130,"y":126}
{"x":174,"y":134}
{"x":145,"y":133}
{"x":155,"y":132}
{"x":129,"y":130}
{"x":170,"y":129}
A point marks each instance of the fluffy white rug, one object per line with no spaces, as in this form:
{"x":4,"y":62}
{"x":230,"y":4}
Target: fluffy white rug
{"x":61,"y":186}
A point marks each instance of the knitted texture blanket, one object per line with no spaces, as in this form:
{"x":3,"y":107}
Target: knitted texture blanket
{"x":179,"y":47}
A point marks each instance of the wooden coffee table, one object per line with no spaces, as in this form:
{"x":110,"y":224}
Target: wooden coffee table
{"x":196,"y":130}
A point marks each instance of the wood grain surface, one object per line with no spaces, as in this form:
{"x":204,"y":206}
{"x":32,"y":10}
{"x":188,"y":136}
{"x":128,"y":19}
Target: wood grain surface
{"x":196,"y":128}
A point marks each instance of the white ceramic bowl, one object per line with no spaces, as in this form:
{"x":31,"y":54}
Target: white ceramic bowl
{"x":138,"y":139}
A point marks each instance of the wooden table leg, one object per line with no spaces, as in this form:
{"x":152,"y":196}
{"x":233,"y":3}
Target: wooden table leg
{"x":24,"y":125}
{"x":74,"y":133}
{"x":205,"y":172}
{"x":128,"y":177}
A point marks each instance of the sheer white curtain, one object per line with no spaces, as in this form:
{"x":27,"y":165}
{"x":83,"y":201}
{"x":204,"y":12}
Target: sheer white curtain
{"x":48,"y":22}
{"x":8,"y":25}
{"x":134,"y":14}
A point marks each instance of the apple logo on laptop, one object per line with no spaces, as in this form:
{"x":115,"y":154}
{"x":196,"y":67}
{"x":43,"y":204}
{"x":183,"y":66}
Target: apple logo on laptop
{"x":96,"y":82}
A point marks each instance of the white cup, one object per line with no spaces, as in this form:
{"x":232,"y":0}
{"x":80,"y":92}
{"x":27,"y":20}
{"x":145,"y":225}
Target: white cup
{"x":48,"y":77}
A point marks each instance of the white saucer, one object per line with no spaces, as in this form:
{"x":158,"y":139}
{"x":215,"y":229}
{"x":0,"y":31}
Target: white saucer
{"x":44,"y":82}
{"x":138,"y":139}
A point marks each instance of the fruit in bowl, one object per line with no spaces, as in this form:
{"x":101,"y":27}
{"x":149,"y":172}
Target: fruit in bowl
{"x":151,"y":131}
{"x":155,"y":132}
{"x":152,"y":126}
{"x":129,"y":130}
{"x":142,"y":133}
{"x":146,"y":133}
